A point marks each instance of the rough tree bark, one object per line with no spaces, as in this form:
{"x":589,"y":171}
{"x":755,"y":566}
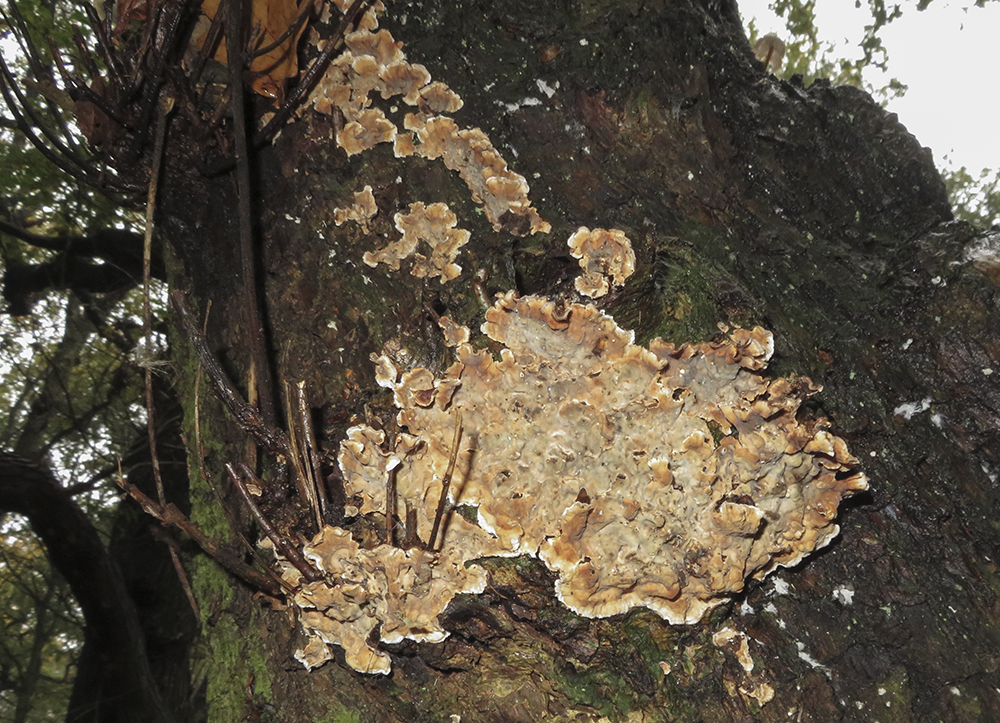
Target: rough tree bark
{"x":749,"y":200}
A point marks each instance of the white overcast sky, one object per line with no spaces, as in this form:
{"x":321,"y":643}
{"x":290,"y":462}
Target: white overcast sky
{"x":948,"y":56}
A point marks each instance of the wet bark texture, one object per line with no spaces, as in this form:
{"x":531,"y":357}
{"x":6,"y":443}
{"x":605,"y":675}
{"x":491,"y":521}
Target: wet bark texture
{"x":749,"y":200}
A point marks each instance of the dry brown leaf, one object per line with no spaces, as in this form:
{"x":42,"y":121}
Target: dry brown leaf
{"x":270,"y":19}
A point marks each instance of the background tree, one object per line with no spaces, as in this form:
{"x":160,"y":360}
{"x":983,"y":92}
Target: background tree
{"x":749,"y":199}
{"x":975,"y":198}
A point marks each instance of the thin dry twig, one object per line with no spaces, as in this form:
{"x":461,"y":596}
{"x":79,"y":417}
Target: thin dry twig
{"x":207,"y":476}
{"x":307,"y":490}
{"x":281,"y":543}
{"x":260,"y":369}
{"x":312,"y":76}
{"x":309,"y":452}
{"x":166,"y":106}
{"x":174,"y":548}
{"x":270,"y":438}
{"x":168,"y":514}
{"x":446,"y":482}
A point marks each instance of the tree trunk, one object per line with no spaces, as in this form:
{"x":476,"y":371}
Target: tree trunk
{"x":748,"y":200}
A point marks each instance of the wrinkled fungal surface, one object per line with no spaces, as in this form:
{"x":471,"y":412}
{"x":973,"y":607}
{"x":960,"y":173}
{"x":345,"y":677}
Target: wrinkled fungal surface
{"x":603,"y":255}
{"x":433,"y":227}
{"x":661,"y":477}
{"x":373,"y":63}
{"x":361,"y":211}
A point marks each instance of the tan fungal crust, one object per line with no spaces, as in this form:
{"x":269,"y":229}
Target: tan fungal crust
{"x":386,"y":373}
{"x":369,"y":21}
{"x":380,"y":46}
{"x":659,"y":477}
{"x":361,"y":211}
{"x":435,"y":226}
{"x":374,"y":62}
{"x":737,"y":643}
{"x":402,"y":591}
{"x":402,"y":78}
{"x":603,"y":255}
{"x":403,"y":145}
{"x":370,"y":129}
{"x":454,"y":333}
{"x":438,"y":98}
{"x":495,"y":187}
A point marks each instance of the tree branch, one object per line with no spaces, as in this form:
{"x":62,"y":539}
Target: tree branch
{"x":112,"y":635}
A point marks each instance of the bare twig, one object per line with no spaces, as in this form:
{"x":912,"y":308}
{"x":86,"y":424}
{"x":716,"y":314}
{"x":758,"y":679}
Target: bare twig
{"x":166,"y":106}
{"x":299,"y":462}
{"x":104,"y":47}
{"x":281,"y":544}
{"x":312,"y":76}
{"x":310,"y":454}
{"x":260,"y":368}
{"x":207,"y":476}
{"x":169,"y":515}
{"x":446,"y":482}
{"x":292,"y":28}
{"x":270,"y":438}
{"x":167,"y":24}
{"x":172,"y":545}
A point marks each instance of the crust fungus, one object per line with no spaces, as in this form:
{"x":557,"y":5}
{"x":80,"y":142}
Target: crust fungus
{"x":403,"y":591}
{"x":602,"y":254}
{"x":375,"y":62}
{"x":439,"y":98}
{"x":361,"y":211}
{"x":404,"y":79}
{"x":495,"y":187}
{"x":403,"y":145}
{"x":454,"y":333}
{"x":660,"y":476}
{"x":372,"y":62}
{"x":381,"y":46}
{"x":370,"y":129}
{"x":435,"y":226}
{"x":368,"y":21}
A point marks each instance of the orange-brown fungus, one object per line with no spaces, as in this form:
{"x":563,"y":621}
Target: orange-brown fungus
{"x":469,"y":152}
{"x":370,"y":129}
{"x":435,"y":226}
{"x":661,"y":477}
{"x":361,"y":211}
{"x":602,"y":254}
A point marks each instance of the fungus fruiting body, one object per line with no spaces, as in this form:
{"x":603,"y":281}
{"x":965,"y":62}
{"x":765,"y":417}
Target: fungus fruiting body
{"x":606,"y":258}
{"x":434,"y":225}
{"x":374,"y":63}
{"x":660,"y":476}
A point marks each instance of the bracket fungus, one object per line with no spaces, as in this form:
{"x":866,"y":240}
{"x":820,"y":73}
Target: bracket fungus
{"x":602,"y":254}
{"x":660,"y":476}
{"x":375,"y":62}
{"x":435,"y":226}
{"x":361,"y":211}
{"x":469,"y":152}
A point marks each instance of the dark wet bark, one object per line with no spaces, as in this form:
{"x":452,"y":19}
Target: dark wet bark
{"x":749,"y":200}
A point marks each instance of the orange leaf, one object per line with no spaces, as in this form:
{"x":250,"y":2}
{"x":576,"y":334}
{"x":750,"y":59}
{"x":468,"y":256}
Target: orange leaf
{"x":270,"y":19}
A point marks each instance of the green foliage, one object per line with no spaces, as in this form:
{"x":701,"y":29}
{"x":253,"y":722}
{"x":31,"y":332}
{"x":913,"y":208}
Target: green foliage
{"x":975,"y":199}
{"x":83,"y":378}
{"x":40,"y":631}
{"x":809,"y":56}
